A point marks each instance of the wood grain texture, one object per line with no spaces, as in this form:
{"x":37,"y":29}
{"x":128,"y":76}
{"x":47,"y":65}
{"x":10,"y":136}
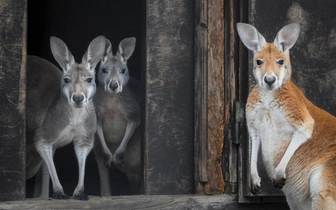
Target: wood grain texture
{"x":231,"y":146}
{"x":201,"y":96}
{"x":162,"y":202}
{"x":216,"y":122}
{"x":209,"y":96}
{"x":12,"y":99}
{"x":169,"y":90}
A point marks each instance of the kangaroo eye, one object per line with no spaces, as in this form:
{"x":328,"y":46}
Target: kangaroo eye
{"x":123,"y":71}
{"x":104,"y":70}
{"x":89,"y":80}
{"x":280,"y":62}
{"x":67,"y":80}
{"x":259,"y":62}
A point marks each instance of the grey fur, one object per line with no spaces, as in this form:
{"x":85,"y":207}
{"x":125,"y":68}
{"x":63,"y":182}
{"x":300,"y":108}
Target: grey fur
{"x":60,"y":111}
{"x":118,"y":112}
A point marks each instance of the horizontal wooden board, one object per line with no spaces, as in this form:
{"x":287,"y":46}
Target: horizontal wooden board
{"x":162,"y":202}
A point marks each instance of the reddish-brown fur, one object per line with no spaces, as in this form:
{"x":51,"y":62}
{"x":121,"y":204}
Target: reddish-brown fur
{"x":297,"y":139}
{"x":320,"y":149}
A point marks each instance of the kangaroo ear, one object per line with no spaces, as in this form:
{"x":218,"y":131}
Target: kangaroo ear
{"x":126,"y":48}
{"x":287,"y":37}
{"x":61,"y":53}
{"x":251,"y":38}
{"x":94,"y":52}
{"x":108,"y":50}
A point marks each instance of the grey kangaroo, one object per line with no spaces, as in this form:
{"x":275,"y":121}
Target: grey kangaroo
{"x":118,"y":117}
{"x":59,"y":111}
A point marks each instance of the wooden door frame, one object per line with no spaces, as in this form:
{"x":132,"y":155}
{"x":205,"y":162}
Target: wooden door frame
{"x":13,"y":97}
{"x":211,"y":113}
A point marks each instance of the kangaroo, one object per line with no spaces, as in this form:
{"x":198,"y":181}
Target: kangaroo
{"x":60,"y":110}
{"x":298,"y":139}
{"x":118,"y":116}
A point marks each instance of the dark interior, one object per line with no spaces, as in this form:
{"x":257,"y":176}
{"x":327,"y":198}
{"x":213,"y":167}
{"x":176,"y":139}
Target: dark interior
{"x":77,"y":23}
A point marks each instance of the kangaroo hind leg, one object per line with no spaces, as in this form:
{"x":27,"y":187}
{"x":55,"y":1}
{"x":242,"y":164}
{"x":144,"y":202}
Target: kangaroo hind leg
{"x":322,"y":187}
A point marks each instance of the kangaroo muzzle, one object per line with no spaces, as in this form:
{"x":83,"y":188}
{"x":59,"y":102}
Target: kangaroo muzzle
{"x":78,"y":99}
{"x":269,"y":80}
{"x":115,"y":86}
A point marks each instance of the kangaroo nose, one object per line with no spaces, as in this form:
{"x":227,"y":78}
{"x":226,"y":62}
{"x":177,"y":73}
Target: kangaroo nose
{"x":113,"y":86}
{"x":269,"y":80}
{"x":78,"y":98}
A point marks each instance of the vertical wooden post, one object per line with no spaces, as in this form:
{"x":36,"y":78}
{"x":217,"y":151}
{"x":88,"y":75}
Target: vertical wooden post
{"x":169,"y":102}
{"x":201,"y":95}
{"x":231,"y":143}
{"x":209,"y":96}
{"x":216,"y":101}
{"x":12,"y":99}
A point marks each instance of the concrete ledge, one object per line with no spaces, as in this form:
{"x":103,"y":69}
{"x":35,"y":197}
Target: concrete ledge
{"x":166,"y":202}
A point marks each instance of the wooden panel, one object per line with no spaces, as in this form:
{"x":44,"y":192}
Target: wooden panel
{"x":231,"y":143}
{"x":313,"y":56}
{"x":154,"y":202}
{"x":12,"y":99}
{"x":216,"y":121}
{"x":209,"y":96}
{"x":169,"y":90}
{"x":201,"y":95}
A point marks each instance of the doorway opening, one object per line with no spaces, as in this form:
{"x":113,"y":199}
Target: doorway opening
{"x":77,"y":23}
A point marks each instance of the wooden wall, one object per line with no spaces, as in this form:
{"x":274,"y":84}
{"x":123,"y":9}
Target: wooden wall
{"x":12,"y":99}
{"x":169,"y":94}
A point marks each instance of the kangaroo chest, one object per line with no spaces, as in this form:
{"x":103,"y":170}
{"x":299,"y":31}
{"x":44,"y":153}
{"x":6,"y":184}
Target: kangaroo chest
{"x":75,"y":128}
{"x":112,"y":117}
{"x":269,"y":119}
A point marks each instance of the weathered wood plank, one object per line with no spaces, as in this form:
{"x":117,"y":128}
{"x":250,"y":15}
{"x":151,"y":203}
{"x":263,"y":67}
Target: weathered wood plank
{"x":201,"y":95}
{"x":230,"y":81}
{"x":215,"y":99}
{"x":12,"y":99}
{"x":209,"y":96}
{"x":162,"y":202}
{"x":169,"y":90}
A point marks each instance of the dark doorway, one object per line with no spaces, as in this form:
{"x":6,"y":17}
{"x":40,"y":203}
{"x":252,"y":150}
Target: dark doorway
{"x":77,"y":23}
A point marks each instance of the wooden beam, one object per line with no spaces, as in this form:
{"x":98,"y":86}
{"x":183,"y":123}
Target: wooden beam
{"x":201,"y":95}
{"x":162,"y":202}
{"x":215,"y":97}
{"x":169,"y":97}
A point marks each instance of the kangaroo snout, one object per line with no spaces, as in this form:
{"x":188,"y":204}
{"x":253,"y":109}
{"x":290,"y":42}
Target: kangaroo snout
{"x":114,"y":85}
{"x":78,"y":98}
{"x":269,"y":80}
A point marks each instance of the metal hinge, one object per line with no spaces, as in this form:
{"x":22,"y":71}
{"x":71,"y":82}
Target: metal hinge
{"x":239,"y":112}
{"x":239,"y":119}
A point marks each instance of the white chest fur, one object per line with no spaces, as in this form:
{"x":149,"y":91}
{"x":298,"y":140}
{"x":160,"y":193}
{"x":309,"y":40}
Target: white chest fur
{"x":268,"y":118}
{"x":75,"y":128}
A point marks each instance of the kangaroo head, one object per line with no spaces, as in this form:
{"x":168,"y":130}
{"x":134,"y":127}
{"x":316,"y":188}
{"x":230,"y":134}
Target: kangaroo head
{"x":78,"y":82}
{"x":113,"y":72}
{"x":271,"y":64}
